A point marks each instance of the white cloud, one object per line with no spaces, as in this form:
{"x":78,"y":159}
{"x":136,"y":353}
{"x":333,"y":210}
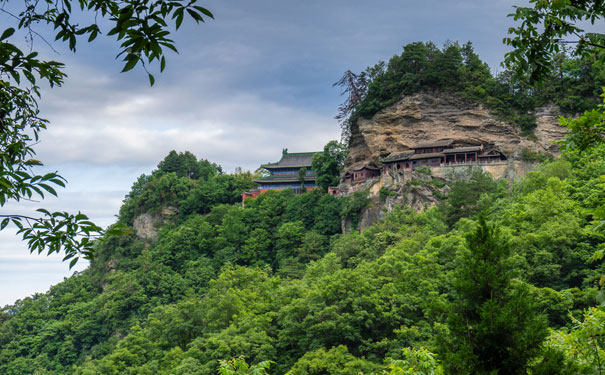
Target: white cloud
{"x":138,"y":125}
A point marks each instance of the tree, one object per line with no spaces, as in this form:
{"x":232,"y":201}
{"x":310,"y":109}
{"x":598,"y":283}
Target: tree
{"x":329,"y":163}
{"x":238,"y":366}
{"x":464,"y":200}
{"x":143,"y":29}
{"x":493,"y":324}
{"x":355,"y":87}
{"x":417,"y":362}
{"x":587,"y":130}
{"x":302,"y":173}
{"x":335,"y":361}
{"x":548,"y":25}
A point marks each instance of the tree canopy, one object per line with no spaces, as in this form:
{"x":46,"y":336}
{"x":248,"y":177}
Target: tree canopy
{"x":329,"y":163}
{"x":544,"y":30}
{"x":279,"y":281}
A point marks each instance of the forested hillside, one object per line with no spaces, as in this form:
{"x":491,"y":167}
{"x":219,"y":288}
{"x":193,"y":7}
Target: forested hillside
{"x":278,"y":281}
{"x":499,"y":278}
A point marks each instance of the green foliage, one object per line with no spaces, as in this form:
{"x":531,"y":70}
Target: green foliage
{"x":302,"y":173}
{"x":544,"y":28}
{"x":384,"y":193}
{"x":329,"y":163}
{"x":238,"y":366}
{"x":277,"y":280}
{"x":424,"y":170}
{"x":186,"y":165}
{"x":353,"y":204}
{"x":336,"y":361}
{"x":181,"y":181}
{"x":469,"y":197}
{"x":20,"y":130}
{"x":415,"y":362}
{"x":534,"y":156}
{"x":493,"y":324}
{"x":582,"y":349}
{"x":586,"y":130}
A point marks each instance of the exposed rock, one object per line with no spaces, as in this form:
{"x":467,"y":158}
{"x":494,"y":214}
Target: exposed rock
{"x":548,"y":129}
{"x":429,"y":116}
{"x":145,"y":225}
{"x":432,"y":116}
{"x":413,"y":189}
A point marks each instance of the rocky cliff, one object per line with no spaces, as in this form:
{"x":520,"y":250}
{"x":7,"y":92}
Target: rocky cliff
{"x":430,"y":116}
{"x":146,"y":224}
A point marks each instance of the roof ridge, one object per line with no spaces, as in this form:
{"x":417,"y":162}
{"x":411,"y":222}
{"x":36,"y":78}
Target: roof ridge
{"x":302,"y":153}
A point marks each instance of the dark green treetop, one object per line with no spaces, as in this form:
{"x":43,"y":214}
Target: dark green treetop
{"x":493,"y":325}
{"x":329,"y":163}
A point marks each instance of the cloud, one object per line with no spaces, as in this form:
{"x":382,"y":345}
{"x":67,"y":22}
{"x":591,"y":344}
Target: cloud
{"x":138,"y":125}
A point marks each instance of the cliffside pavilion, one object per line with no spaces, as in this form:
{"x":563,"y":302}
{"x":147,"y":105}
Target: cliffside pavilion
{"x":284,"y":174}
{"x":361,"y":174}
{"x":443,"y":152}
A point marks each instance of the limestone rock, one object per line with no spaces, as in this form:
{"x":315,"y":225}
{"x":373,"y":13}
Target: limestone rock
{"x":429,"y":116}
{"x":145,"y":225}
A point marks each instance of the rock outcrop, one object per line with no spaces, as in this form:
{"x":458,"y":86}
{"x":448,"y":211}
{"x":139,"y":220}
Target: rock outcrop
{"x":430,"y":116}
{"x":145,"y":225}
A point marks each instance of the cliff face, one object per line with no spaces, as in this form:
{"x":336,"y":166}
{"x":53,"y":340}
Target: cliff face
{"x":145,"y":225}
{"x":430,"y":116}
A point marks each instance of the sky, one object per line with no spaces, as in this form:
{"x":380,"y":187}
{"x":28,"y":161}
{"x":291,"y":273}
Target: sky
{"x":256,"y":79}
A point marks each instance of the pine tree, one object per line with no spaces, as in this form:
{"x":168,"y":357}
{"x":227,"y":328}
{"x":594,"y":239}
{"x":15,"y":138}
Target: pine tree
{"x":493,"y":325}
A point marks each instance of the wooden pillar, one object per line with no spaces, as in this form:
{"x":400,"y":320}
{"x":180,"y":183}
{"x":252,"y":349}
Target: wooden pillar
{"x":465,"y":157}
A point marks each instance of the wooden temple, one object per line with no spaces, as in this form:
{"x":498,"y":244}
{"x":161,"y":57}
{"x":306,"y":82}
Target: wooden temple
{"x":361,"y":174}
{"x":439,"y":153}
{"x":285,"y":174}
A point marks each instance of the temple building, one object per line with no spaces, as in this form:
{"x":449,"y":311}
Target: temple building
{"x":443,"y":152}
{"x":361,"y":174}
{"x":285,"y":174}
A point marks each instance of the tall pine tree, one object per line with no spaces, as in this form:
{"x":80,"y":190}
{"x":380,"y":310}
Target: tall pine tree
{"x":493,"y":325}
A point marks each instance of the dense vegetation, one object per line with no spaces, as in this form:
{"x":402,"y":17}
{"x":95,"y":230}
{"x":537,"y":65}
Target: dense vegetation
{"x":278,"y":281}
{"x":574,"y":84}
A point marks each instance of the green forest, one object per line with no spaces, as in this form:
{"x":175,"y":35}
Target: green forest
{"x":498,"y":278}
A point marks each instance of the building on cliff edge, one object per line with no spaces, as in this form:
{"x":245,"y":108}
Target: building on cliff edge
{"x":285,"y":174}
{"x":440,"y":153}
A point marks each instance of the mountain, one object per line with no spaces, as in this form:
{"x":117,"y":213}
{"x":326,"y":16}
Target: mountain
{"x":434,"y":115}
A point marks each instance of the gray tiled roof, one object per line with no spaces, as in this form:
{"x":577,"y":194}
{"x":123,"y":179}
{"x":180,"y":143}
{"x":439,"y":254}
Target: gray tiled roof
{"x":441,"y":143}
{"x":430,"y":155}
{"x":292,"y":160}
{"x":412,"y":156}
{"x":462,"y":149}
{"x":398,"y":157}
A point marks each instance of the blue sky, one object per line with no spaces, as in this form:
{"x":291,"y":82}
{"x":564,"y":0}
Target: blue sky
{"x":256,"y":79}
